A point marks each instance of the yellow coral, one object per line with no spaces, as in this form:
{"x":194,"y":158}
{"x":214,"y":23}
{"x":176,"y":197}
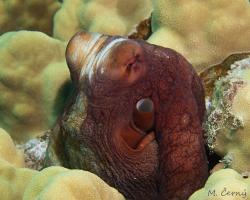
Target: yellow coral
{"x":27,"y":14}
{"x":8,"y":151}
{"x":225,"y":184}
{"x":61,"y":183}
{"x":32,"y":73}
{"x":13,"y":180}
{"x":50,"y":183}
{"x":205,"y":32}
{"x":113,"y":17}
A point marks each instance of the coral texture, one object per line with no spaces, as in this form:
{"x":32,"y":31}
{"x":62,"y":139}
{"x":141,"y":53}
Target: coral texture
{"x":13,"y":178}
{"x":8,"y":151}
{"x":33,"y":73}
{"x":61,"y":183}
{"x":228,"y":121}
{"x":135,"y":119}
{"x":114,"y":17}
{"x":225,"y":184}
{"x":34,"y":151}
{"x":32,"y":15}
{"x":17,"y":182}
{"x":205,"y":32}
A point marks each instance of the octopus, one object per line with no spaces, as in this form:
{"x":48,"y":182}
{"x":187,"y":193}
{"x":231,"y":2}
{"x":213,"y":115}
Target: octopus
{"x":135,"y":118}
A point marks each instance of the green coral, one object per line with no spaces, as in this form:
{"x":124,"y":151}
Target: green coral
{"x":33,"y":75}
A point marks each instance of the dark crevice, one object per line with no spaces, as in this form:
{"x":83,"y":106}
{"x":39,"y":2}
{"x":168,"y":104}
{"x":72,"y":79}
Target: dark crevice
{"x":213,"y":159}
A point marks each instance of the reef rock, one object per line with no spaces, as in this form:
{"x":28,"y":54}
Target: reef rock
{"x":228,"y":120}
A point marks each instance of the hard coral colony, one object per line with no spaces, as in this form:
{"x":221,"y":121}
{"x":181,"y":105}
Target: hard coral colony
{"x":135,"y":119}
{"x":17,"y":182}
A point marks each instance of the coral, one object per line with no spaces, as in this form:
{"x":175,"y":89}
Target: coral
{"x":33,"y":15}
{"x":225,"y":184}
{"x":8,"y":151}
{"x":33,"y":78}
{"x":61,"y":183}
{"x":205,"y":32}
{"x":114,"y":17}
{"x":13,"y":179}
{"x":227,"y":126}
{"x":51,"y":183}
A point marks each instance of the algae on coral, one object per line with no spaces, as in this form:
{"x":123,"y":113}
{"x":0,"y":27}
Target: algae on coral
{"x":227,"y":122}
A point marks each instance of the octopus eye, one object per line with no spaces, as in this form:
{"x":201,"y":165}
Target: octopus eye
{"x":145,"y":105}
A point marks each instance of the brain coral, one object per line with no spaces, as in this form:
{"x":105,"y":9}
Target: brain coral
{"x":112,"y":17}
{"x":228,"y":120}
{"x":27,"y":14}
{"x":205,"y":32}
{"x":225,"y":184}
{"x":33,"y":72}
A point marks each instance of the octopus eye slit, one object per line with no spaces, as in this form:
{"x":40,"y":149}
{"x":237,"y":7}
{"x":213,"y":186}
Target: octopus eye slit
{"x":130,"y":65}
{"x":137,"y":56}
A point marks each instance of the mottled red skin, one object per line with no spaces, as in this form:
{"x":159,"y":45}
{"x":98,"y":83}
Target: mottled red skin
{"x":170,"y":168}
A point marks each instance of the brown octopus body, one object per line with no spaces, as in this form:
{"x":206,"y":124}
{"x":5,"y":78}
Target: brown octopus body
{"x":135,"y":120}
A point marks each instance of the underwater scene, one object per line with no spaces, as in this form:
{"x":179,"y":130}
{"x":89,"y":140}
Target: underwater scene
{"x":124,"y":99}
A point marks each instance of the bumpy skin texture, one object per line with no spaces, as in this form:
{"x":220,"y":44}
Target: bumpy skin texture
{"x":90,"y":134}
